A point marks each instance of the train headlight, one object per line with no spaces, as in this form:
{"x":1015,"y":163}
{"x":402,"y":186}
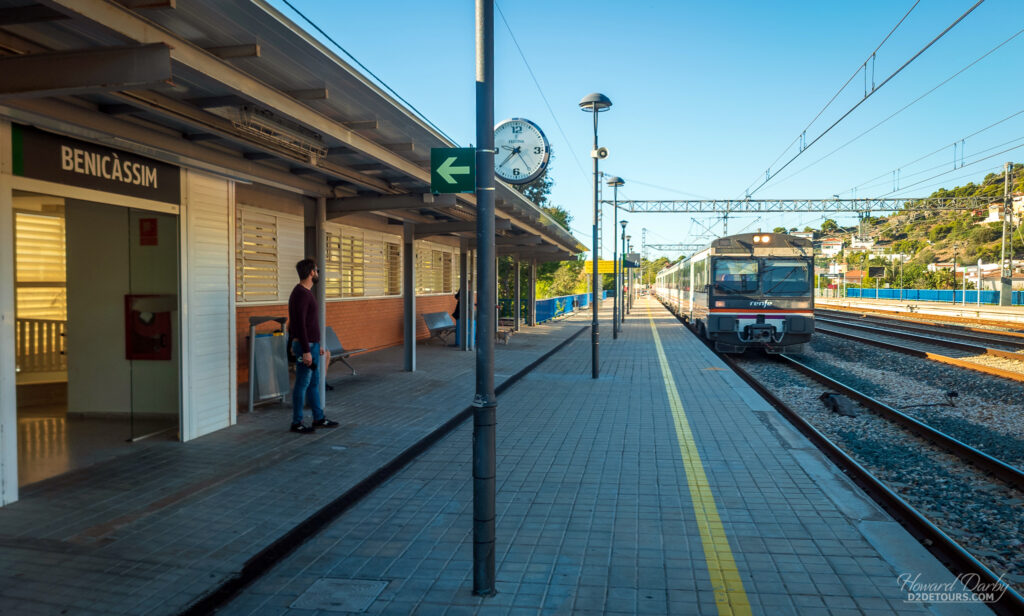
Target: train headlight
{"x":757,"y":239}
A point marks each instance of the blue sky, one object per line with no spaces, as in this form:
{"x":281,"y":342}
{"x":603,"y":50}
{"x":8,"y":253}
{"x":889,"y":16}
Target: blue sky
{"x":706,"y":95}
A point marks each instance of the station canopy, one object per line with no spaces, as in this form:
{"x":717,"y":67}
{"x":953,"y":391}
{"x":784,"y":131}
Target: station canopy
{"x":233,"y":87}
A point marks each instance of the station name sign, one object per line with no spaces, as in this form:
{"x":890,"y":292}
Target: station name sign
{"x":46,"y":156}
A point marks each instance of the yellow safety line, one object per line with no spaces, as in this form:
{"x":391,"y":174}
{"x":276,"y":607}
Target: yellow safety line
{"x":725,"y":577}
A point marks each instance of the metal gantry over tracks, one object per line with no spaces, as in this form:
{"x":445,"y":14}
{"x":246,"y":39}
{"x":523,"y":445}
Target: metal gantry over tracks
{"x":746,"y":206}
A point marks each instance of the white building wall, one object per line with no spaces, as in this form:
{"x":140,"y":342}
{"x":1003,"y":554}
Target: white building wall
{"x":208,"y":340}
{"x":8,"y":392}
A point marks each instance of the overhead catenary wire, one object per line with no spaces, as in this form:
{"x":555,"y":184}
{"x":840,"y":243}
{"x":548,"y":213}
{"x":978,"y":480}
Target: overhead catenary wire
{"x":368,"y":71}
{"x":875,"y":89}
{"x":843,"y":87}
{"x":1000,"y":153}
{"x":904,"y":108}
{"x":933,"y":168}
{"x":944,"y":148}
{"x":536,"y":83}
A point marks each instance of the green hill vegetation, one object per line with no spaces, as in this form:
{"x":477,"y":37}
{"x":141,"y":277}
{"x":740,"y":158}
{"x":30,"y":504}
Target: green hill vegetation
{"x":930,"y":237}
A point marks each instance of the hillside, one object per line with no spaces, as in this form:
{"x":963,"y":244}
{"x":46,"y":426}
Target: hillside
{"x":931,"y":237}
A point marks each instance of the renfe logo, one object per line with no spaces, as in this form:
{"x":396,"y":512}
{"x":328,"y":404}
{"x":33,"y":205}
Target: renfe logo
{"x":761,"y":304}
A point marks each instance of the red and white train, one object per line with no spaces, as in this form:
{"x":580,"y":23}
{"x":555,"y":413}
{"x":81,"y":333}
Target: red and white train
{"x":753,"y":290}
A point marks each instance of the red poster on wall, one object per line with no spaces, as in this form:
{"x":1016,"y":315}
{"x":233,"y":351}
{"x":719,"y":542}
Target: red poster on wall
{"x":149,"y":232}
{"x":147,"y":335}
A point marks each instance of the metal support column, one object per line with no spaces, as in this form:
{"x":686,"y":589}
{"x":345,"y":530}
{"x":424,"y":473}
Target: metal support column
{"x":533,"y":292}
{"x":321,"y":289}
{"x":409,"y":296}
{"x":485,"y":402}
{"x":465,"y":306}
{"x":519,"y":297}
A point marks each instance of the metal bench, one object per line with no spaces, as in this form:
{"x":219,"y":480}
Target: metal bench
{"x":439,"y":324}
{"x":338,"y":352}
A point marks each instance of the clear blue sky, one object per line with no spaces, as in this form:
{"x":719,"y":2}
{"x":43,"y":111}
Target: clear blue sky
{"x":706,"y":95}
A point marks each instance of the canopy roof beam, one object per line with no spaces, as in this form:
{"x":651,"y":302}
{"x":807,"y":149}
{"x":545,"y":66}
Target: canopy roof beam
{"x":59,"y":73}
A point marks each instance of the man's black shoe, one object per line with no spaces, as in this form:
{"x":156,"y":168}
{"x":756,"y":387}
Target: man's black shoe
{"x":325,"y":423}
{"x":301,"y":429}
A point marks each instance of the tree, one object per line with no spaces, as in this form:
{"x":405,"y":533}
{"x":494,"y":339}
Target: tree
{"x":829,"y":226}
{"x":779,"y":230}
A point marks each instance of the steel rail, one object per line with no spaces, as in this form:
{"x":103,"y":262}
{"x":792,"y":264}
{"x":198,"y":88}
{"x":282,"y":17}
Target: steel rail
{"x":1005,"y":472}
{"x":914,"y":324}
{"x":936,"y":357}
{"x":950,"y":553}
{"x":918,"y":337}
{"x":935,"y":312}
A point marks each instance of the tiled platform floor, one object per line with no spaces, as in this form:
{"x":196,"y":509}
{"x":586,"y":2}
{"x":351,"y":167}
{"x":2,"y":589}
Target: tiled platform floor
{"x":595,"y":510}
{"x":155,"y":529}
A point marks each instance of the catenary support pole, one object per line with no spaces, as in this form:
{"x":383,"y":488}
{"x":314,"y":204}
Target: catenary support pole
{"x":1006,"y":256}
{"x":485,"y":403}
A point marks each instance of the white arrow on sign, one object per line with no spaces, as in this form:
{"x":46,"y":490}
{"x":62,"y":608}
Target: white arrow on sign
{"x":446,"y":170}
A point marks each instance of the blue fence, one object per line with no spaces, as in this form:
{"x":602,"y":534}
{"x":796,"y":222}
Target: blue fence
{"x":933,"y":295}
{"x":552,"y":307}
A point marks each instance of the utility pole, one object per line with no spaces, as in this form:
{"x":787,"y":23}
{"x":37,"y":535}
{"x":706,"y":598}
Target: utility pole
{"x":1006,"y":259}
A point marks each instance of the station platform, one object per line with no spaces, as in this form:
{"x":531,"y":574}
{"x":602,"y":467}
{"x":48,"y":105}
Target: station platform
{"x":666,"y":486}
{"x":996,"y":315}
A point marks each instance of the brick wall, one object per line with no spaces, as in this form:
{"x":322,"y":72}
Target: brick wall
{"x":369,"y":324}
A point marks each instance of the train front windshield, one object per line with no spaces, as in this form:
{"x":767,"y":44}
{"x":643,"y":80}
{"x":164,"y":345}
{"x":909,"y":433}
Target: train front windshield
{"x":785,"y":277}
{"x":734,"y":276}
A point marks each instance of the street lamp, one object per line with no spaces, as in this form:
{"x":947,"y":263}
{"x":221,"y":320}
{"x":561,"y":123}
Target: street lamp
{"x":615,"y":182}
{"x":618,"y":284}
{"x":595,"y":103}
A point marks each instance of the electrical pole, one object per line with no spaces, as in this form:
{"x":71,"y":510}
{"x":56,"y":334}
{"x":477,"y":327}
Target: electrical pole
{"x":1006,"y":259}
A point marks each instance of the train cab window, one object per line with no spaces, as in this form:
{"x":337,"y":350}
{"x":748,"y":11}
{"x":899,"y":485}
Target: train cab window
{"x":735,"y":276}
{"x":785,"y":277}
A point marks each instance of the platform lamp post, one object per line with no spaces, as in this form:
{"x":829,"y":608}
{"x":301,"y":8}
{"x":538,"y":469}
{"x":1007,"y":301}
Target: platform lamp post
{"x":615,"y":182}
{"x":618,"y":284}
{"x":595,"y":103}
{"x":628,"y":276}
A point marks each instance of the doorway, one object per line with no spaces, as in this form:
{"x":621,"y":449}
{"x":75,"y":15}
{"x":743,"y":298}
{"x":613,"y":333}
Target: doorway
{"x":96,"y":336}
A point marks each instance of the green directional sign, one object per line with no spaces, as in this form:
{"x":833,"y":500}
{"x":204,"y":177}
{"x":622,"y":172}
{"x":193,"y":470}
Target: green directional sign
{"x":452,"y":170}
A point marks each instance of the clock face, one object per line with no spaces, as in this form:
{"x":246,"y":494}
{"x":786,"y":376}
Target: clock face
{"x":520,"y":151}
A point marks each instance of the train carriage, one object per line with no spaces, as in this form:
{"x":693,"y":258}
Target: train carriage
{"x":753,"y":290}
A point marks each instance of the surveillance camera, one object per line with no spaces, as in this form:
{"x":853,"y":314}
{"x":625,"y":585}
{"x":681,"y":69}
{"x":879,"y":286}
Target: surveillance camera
{"x":599,"y":153}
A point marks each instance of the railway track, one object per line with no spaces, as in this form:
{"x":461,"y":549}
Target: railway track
{"x":1003,"y":362}
{"x":896,"y":499}
{"x":1009,"y":340}
{"x":944,"y":542}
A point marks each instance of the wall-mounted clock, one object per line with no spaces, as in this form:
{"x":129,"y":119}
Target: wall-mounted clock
{"x":521,"y":151}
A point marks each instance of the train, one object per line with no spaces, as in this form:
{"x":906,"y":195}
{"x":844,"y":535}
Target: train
{"x":746,"y":291}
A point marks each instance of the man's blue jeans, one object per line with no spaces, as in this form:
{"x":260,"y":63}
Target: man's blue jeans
{"x":307,"y":383}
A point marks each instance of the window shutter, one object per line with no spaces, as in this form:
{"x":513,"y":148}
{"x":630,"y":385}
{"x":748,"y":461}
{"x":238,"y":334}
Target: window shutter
{"x":256,"y":256}
{"x":41,"y":264}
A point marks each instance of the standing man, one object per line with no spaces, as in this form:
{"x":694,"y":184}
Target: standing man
{"x":304,"y":331}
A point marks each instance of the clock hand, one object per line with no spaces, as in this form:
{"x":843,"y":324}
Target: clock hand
{"x":507,"y":158}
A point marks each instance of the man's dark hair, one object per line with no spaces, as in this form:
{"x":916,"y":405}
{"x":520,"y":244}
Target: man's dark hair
{"x":305,"y":267}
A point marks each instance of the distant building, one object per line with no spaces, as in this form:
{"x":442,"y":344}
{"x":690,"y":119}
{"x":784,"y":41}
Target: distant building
{"x":831,"y":247}
{"x":807,"y":235}
{"x":995,"y":210}
{"x":861,"y":244}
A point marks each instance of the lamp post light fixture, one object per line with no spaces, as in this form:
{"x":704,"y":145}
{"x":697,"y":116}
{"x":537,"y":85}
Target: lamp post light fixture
{"x":595,"y":103}
{"x":618,"y":283}
{"x":615,"y":182}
